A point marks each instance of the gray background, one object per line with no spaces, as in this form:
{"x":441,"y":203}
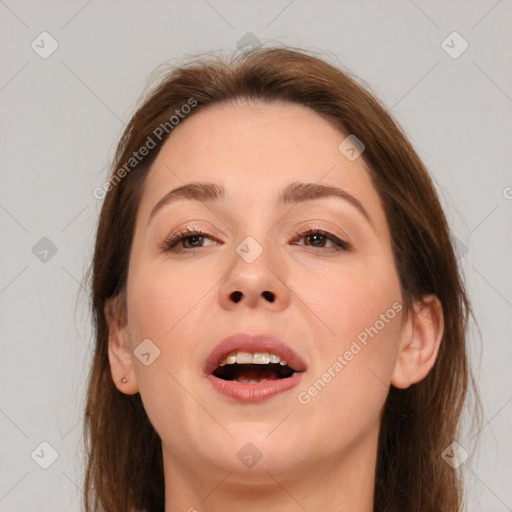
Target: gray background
{"x":61,"y":118}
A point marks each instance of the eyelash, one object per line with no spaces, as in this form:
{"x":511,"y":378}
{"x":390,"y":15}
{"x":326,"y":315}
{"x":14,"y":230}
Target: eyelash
{"x":342,"y":244}
{"x":175,"y":238}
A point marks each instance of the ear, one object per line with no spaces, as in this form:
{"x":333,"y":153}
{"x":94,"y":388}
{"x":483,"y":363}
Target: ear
{"x":421,"y":339}
{"x":119,"y":351}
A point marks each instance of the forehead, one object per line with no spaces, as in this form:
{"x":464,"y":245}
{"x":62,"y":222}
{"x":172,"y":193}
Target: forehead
{"x":254,"y":150}
{"x":236,"y":133}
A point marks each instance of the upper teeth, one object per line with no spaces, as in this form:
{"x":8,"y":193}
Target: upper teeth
{"x":255,"y":358}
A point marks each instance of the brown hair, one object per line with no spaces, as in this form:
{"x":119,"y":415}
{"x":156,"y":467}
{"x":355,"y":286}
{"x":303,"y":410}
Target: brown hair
{"x":124,"y":457}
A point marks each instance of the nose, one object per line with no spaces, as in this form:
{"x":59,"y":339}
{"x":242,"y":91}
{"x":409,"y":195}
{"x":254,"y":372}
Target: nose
{"x":255,"y":284}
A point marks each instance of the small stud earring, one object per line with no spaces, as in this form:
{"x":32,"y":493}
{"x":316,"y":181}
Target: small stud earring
{"x":124,"y":380}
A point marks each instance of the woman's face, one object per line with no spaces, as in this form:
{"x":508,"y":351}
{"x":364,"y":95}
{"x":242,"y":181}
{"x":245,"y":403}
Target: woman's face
{"x":331,"y":296}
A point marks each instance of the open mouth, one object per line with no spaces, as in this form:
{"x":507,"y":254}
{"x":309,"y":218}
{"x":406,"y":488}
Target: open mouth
{"x":248,"y":368}
{"x":253,"y":368}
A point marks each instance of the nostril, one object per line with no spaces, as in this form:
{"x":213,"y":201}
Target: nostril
{"x":269,"y":296}
{"x":236,"y":296}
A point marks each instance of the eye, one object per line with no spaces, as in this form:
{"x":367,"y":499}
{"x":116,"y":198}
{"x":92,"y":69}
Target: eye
{"x":318,"y":238}
{"x":186,"y":240}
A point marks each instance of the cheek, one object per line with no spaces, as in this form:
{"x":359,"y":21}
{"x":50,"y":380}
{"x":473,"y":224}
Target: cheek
{"x":160,"y":298}
{"x":360,"y":311}
{"x":346,"y":298}
{"x":172,"y":308}
{"x":345,"y":392}
{"x":167,"y":307}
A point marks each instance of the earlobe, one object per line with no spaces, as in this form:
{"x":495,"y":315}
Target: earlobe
{"x":119,"y":351}
{"x":421,"y":339}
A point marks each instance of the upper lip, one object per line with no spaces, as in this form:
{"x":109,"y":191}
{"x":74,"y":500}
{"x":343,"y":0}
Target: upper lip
{"x":242,"y":342}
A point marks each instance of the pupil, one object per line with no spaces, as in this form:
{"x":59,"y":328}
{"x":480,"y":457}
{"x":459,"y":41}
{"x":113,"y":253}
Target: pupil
{"x":318,"y":238}
{"x":195,"y":237}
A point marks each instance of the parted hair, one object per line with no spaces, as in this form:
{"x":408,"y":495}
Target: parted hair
{"x":124,"y":471}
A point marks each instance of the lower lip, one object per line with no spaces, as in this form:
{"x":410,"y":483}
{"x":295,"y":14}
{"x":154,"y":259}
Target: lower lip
{"x":253,"y":393}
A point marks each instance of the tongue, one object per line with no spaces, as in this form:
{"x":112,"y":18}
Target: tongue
{"x":257,"y":375}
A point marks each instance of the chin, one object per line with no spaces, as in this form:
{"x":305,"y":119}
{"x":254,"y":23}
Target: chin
{"x":252,"y":451}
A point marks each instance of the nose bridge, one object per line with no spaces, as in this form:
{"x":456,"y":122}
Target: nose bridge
{"x":257,"y":245}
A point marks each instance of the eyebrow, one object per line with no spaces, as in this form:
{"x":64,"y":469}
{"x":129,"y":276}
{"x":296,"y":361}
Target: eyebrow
{"x":296,"y":192}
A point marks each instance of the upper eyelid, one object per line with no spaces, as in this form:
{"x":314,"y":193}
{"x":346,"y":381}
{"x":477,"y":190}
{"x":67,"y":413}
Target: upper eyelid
{"x":191,"y":231}
{"x":319,"y":224}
